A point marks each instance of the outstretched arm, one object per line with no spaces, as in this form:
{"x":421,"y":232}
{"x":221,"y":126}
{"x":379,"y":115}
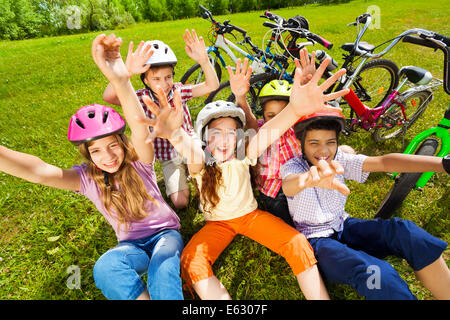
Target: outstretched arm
{"x":33,"y":169}
{"x":167,"y":125}
{"x":240,"y":85}
{"x":320,"y":176}
{"x":399,"y":162}
{"x":304,"y":100}
{"x":135,"y":63}
{"x":196,"y":50}
{"x":106,"y":54}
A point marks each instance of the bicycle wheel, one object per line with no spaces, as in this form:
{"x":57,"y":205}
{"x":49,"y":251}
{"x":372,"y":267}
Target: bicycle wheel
{"x":392,"y":126}
{"x":404,"y":183}
{"x":194,"y":76}
{"x":375,"y":81}
{"x":256,"y":83}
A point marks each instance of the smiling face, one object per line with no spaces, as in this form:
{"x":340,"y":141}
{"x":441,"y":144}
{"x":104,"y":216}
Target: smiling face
{"x":160,"y":76}
{"x":222,"y":138}
{"x":320,"y":144}
{"x":107,"y":153}
{"x":272,"y":108}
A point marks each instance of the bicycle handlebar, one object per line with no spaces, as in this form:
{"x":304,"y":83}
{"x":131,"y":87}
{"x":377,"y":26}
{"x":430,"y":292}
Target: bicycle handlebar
{"x":294,"y":27}
{"x":435,"y":41}
{"x":226,"y":27}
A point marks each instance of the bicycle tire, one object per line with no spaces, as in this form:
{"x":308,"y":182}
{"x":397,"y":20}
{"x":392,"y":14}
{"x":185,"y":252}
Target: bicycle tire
{"x":404,"y":183}
{"x":371,"y":87}
{"x":196,"y":68}
{"x":256,"y":83}
{"x":409,"y":100}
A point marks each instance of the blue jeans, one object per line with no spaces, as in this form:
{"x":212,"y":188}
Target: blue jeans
{"x":353,"y":256}
{"x":117,"y":273}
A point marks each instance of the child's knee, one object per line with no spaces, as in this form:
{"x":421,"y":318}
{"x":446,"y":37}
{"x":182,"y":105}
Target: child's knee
{"x":194,"y":266}
{"x":180,"y":199}
{"x":298,"y":253}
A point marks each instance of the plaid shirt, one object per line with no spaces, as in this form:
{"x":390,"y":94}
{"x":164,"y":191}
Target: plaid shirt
{"x":163,"y":149}
{"x":319,"y":212}
{"x":282,"y":150}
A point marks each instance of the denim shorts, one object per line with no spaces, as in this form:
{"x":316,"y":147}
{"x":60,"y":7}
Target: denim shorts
{"x":117,"y":273}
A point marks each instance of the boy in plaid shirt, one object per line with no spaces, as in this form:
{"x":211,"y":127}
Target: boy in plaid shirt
{"x":350,"y":250}
{"x":155,"y":62}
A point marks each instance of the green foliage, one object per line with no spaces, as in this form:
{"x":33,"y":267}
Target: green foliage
{"x":24,"y":19}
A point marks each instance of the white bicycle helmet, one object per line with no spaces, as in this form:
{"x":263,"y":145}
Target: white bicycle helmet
{"x":162,"y":54}
{"x":214,"y":110}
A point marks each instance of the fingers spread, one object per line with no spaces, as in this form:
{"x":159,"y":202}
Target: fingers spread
{"x":337,"y":167}
{"x":151,"y":105}
{"x":327,"y":83}
{"x":146,"y":121}
{"x":325,"y":168}
{"x":341,"y":187}
{"x":320,"y":70}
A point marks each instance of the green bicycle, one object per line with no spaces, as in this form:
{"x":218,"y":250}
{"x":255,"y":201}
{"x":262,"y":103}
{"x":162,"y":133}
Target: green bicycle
{"x":426,"y":143}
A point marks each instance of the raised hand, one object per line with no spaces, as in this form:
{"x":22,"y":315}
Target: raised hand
{"x":307,"y":65}
{"x":135,"y":61}
{"x":167,"y":119}
{"x":106,"y":54}
{"x":240,"y":81}
{"x":195,"y":47}
{"x":309,"y":98}
{"x":322,"y":176}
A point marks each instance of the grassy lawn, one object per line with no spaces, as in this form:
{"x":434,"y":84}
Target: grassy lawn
{"x":45,"y":231}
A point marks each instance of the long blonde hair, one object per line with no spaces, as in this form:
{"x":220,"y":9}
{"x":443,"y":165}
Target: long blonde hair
{"x":130,"y":202}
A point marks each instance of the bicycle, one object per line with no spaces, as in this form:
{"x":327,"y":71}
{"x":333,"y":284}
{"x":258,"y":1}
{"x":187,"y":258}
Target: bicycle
{"x":426,"y":142}
{"x":261,"y":60}
{"x":278,"y":66}
{"x":391,"y":113}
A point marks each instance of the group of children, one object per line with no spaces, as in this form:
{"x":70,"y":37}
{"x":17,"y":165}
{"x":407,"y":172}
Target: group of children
{"x":300,"y":171}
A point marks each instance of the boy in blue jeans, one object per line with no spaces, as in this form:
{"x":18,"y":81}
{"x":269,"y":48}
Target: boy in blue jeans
{"x":349,"y":250}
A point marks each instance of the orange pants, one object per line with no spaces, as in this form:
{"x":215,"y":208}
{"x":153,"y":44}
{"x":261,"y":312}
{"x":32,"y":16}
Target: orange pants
{"x":206,"y":245}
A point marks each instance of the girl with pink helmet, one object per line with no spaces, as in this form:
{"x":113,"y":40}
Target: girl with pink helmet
{"x":119,"y":178}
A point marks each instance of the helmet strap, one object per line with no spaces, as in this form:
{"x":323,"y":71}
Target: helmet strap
{"x":106,"y":178}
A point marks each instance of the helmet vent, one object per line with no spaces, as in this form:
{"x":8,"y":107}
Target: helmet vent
{"x":91,"y":114}
{"x":79,"y":123}
{"x":105,"y":116}
{"x":156,"y":46}
{"x":166,"y":50}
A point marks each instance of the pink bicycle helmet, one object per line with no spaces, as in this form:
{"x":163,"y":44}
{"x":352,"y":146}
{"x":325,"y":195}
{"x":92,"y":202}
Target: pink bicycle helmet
{"x":94,"y":122}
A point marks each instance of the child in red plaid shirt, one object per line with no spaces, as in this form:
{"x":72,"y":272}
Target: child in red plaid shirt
{"x":155,"y":62}
{"x":273,"y":98}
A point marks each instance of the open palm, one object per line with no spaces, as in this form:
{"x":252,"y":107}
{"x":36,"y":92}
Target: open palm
{"x":135,"y":61}
{"x":323,"y":175}
{"x":106,"y":54}
{"x":309,"y":98}
{"x":167,"y":119}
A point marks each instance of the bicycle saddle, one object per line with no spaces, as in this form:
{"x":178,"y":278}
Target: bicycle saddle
{"x":416,"y":75}
{"x":363,"y":46}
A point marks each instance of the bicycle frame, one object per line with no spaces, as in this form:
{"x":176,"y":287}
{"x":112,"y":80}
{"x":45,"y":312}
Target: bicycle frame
{"x":441,"y":131}
{"x":258,"y":66}
{"x":367,"y":117}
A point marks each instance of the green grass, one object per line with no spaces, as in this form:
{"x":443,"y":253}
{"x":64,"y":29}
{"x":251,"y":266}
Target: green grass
{"x":44,"y":231}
